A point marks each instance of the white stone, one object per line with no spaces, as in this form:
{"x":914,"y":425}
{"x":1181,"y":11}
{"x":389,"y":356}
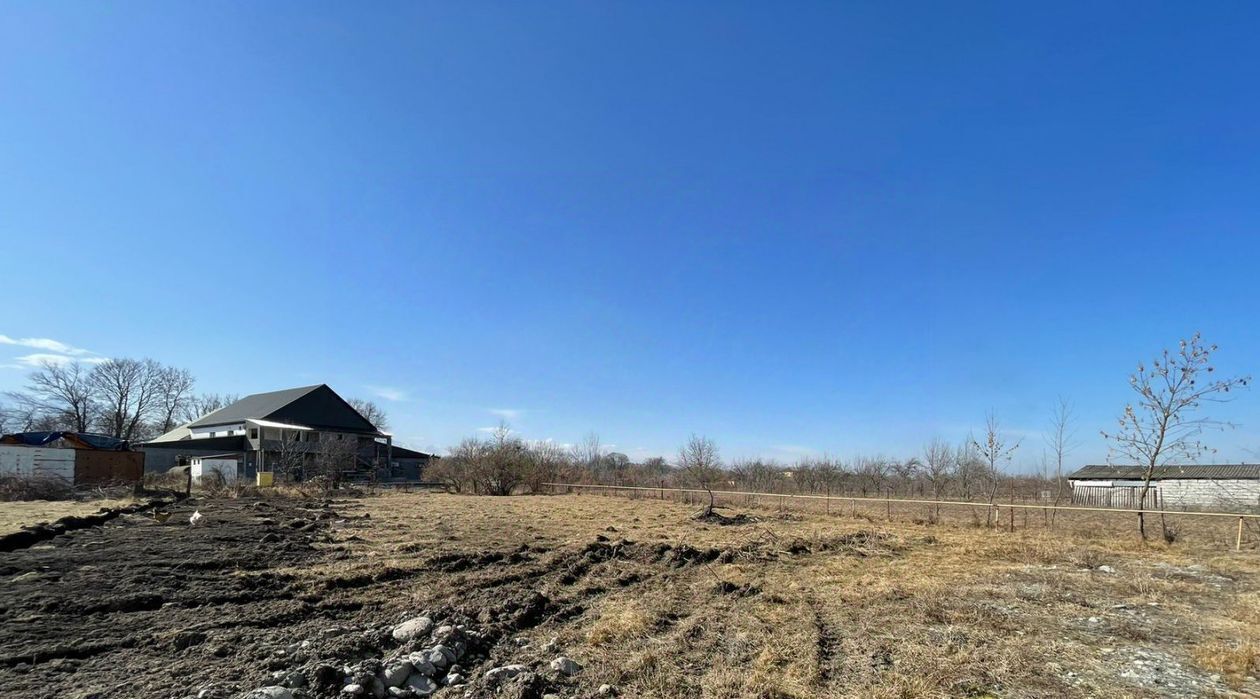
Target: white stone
{"x":353,"y":689}
{"x":274,"y":692}
{"x":415,"y":627}
{"x":568,"y":666}
{"x":505,"y":671}
{"x":1106,"y":569}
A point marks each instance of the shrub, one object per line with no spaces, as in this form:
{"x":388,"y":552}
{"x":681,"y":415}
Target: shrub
{"x":13,"y":487}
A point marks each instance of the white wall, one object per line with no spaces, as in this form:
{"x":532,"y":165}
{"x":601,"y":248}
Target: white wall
{"x":205,"y":467}
{"x":1234,"y":494}
{"x":37,"y":462}
{"x":218,"y":431}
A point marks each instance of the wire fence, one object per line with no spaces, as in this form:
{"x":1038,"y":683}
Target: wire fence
{"x":1233,"y":529}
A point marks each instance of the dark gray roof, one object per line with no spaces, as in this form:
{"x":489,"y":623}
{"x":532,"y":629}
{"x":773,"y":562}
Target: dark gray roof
{"x":257,"y":406}
{"x":318,"y":407}
{"x":404,"y":453}
{"x":1189,"y":471}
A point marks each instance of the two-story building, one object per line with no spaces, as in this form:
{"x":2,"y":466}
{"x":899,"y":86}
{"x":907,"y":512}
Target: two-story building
{"x":295,"y":434}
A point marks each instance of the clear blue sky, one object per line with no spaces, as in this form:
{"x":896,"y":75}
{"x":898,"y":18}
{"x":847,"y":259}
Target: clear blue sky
{"x":843,"y":227}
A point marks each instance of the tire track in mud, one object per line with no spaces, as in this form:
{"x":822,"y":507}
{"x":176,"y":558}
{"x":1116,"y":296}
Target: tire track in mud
{"x":827,"y":645}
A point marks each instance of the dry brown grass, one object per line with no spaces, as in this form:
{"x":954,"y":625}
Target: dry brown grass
{"x":14,"y":515}
{"x":812,"y":605}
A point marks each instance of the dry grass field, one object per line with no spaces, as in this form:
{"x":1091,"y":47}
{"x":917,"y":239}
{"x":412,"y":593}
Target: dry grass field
{"x":805,"y":604}
{"x":648,"y":600}
{"x":14,"y":515}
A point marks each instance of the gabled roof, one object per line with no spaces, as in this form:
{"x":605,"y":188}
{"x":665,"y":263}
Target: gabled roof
{"x":258,"y":405}
{"x":1189,"y":471}
{"x":316,"y":407}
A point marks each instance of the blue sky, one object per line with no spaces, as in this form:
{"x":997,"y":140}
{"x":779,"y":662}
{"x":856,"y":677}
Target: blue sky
{"x":841,"y":227}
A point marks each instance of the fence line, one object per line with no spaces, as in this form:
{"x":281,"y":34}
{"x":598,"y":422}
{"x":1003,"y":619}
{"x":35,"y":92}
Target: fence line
{"x":1241,"y":516}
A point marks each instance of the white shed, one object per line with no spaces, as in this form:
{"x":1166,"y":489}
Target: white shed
{"x":1233,"y":487}
{"x":227,"y":467}
{"x":37,"y":462}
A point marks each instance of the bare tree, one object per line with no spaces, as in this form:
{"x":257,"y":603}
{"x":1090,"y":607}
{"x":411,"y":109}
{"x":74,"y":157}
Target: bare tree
{"x":700,"y":464}
{"x":200,"y":406}
{"x":329,"y":459}
{"x":994,"y":450}
{"x":545,"y":462}
{"x":371,"y":412}
{"x":61,"y":392}
{"x":939,"y":462}
{"x":872,"y":473}
{"x":289,"y":455}
{"x":907,"y":472}
{"x":765,"y":476}
{"x":1161,"y":427}
{"x":503,"y":463}
{"x":1061,"y":440}
{"x":21,"y":413}
{"x":589,"y":454}
{"x":174,"y":392}
{"x":126,"y":392}
{"x":654,"y":467}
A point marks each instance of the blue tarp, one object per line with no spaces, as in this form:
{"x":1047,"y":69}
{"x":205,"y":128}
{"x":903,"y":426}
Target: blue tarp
{"x":94,"y":441}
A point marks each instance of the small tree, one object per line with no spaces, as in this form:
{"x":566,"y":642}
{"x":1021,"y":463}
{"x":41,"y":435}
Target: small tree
{"x":1161,"y":427}
{"x":993,"y":450}
{"x":588,"y":454}
{"x":872,"y":473}
{"x":1061,"y":439}
{"x":700,"y":465}
{"x":287,"y":456}
{"x":939,"y":460}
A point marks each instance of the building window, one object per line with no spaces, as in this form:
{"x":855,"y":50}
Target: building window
{"x":253,"y":433}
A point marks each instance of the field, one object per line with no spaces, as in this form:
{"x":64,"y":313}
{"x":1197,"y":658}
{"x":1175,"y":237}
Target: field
{"x":647,"y":600}
{"x":14,"y":515}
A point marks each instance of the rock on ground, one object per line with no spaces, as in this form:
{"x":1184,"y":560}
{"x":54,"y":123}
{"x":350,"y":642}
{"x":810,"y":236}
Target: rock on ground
{"x":566,"y":665}
{"x":415,"y":627}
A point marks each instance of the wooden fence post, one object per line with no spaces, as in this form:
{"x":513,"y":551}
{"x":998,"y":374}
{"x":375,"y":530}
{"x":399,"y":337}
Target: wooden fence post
{"x":1238,"y":541}
{"x":1012,"y":508}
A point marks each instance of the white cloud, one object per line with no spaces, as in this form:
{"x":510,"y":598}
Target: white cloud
{"x":388,"y":392}
{"x":44,"y":343}
{"x":54,"y":352}
{"x":31,"y":361}
{"x":507,"y":413}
